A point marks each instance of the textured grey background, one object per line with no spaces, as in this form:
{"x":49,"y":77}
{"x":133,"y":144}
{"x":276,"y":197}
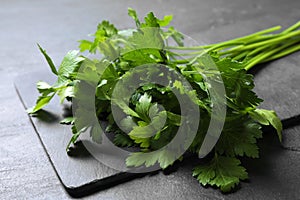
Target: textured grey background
{"x":25,"y":171}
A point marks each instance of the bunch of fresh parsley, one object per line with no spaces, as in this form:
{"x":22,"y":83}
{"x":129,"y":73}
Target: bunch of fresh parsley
{"x":150,"y":128}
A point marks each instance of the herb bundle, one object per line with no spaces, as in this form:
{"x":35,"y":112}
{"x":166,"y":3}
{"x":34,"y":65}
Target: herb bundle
{"x":143,"y":124}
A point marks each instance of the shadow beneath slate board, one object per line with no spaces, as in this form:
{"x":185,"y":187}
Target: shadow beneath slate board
{"x":291,"y":122}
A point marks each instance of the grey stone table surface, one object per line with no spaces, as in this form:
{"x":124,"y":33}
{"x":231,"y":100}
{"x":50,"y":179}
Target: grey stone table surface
{"x":25,"y":170}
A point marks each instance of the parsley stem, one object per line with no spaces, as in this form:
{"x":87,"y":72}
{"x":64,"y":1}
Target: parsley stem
{"x":266,"y":42}
{"x":232,"y":42}
{"x":245,"y":38}
{"x":240,"y":55}
{"x":191,"y":53}
{"x":292,"y":28}
{"x":180,"y":61}
{"x":257,"y":48}
{"x":262,"y":56}
{"x":284,"y":53}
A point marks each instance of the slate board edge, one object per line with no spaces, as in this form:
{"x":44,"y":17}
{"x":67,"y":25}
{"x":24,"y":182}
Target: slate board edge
{"x":101,"y":184}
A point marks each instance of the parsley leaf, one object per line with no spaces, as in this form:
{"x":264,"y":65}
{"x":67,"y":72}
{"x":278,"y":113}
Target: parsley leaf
{"x":49,"y":60}
{"x":267,"y":117}
{"x":164,"y":157}
{"x":223,"y":172}
{"x":239,"y":137}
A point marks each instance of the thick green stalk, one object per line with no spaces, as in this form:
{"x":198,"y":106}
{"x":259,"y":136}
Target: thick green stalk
{"x":232,"y":42}
{"x":264,"y":55}
{"x":243,"y":39}
{"x":292,"y":28}
{"x":255,"y":48}
{"x":276,"y":40}
{"x":286,"y":52}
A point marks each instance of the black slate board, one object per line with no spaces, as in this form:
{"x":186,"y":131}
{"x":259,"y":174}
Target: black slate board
{"x":278,"y":83}
{"x":80,"y":174}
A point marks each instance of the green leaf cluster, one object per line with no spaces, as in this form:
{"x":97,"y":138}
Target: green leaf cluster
{"x":151,"y":117}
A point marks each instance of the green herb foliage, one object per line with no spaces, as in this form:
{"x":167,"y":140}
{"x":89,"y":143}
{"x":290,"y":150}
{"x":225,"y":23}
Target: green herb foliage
{"x":148,"y":126}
